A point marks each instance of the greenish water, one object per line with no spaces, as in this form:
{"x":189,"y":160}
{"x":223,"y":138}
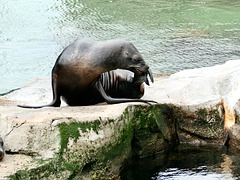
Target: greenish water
{"x":172,"y":35}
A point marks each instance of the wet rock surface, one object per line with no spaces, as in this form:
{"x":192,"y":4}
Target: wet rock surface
{"x":198,"y":108}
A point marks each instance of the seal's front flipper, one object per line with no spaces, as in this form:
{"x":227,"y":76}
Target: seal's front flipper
{"x":111,"y":100}
{"x":1,"y":149}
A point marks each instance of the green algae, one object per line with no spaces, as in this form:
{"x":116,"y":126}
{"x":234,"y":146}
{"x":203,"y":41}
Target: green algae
{"x":204,"y":123}
{"x":72,"y":130}
{"x":154,"y":130}
{"x":43,"y":171}
{"x":202,"y":114}
{"x":149,"y":125}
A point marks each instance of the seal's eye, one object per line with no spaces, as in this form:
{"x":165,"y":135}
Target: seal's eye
{"x":137,"y":60}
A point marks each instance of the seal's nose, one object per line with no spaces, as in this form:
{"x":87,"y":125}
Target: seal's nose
{"x":146,"y":67}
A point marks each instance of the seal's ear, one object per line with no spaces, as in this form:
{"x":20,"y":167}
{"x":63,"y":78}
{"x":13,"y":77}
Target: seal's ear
{"x":126,"y":54}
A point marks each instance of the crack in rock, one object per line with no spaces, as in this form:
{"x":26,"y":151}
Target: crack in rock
{"x":17,"y":125}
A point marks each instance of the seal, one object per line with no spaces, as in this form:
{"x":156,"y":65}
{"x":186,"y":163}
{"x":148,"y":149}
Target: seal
{"x":117,"y":85}
{"x":1,"y":149}
{"x":84,"y":74}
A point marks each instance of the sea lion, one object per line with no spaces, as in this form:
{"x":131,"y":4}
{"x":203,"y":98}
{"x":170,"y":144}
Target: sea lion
{"x":1,"y":149}
{"x":121,"y":84}
{"x":83,"y":67}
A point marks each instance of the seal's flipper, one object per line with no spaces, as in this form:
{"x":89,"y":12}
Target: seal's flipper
{"x":55,"y":103}
{"x":52,"y":104}
{"x":150,"y":75}
{"x":56,"y":98}
{"x":32,"y":107}
{"x":111,"y":100}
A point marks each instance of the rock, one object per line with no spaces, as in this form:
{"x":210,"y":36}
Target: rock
{"x":209,"y":98}
{"x":198,"y":108}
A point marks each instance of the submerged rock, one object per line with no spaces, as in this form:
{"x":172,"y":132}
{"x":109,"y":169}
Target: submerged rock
{"x":198,"y":108}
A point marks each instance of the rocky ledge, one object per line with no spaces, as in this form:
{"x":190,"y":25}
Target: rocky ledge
{"x":198,"y":108}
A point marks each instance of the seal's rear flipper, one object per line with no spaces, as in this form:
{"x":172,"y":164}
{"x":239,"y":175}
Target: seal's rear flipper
{"x":55,"y":103}
{"x":111,"y":100}
{"x":37,"y":107}
{"x":33,"y":107}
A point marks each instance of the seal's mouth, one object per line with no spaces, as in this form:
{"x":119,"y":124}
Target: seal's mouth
{"x":145,"y":75}
{"x":138,"y":71}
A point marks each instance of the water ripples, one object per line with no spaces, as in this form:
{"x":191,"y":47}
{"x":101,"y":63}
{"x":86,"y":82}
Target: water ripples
{"x":171,"y":35}
{"x":185,"y":165}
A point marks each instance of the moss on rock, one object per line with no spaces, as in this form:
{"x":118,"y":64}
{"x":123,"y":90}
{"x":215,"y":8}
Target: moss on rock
{"x":98,"y":149}
{"x":205,"y":126}
{"x":72,"y":130}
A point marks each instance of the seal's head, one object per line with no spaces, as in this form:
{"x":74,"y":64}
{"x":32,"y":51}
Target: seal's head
{"x":136,"y":63}
{"x":1,"y":149}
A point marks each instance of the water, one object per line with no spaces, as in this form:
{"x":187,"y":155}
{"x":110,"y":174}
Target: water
{"x":172,"y":35}
{"x":185,"y":165}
